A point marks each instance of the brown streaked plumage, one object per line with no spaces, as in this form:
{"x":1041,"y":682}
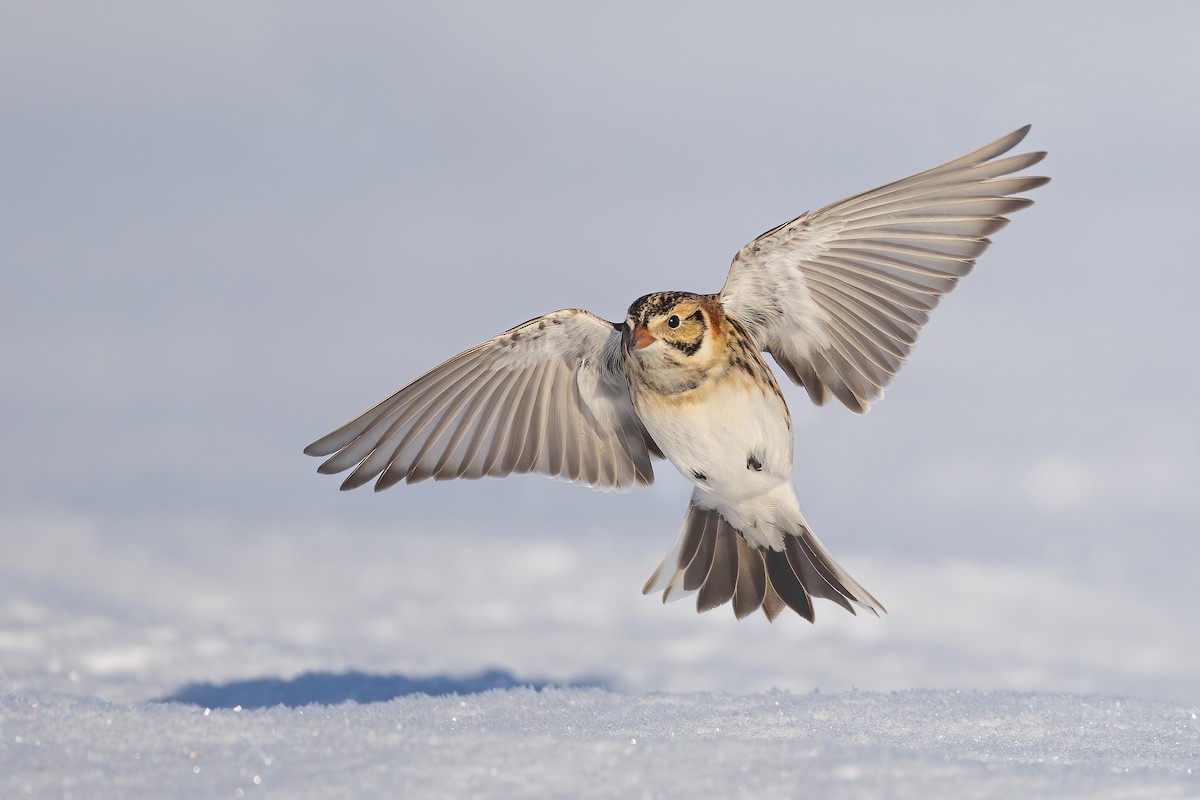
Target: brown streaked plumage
{"x":837,"y":296}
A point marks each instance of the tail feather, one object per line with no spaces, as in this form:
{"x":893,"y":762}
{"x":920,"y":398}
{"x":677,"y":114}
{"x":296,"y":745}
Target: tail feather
{"x":751,"y":585}
{"x":714,"y":558}
{"x":788,"y":585}
{"x":839,"y":580}
{"x":693,"y":538}
{"x":721,"y":582}
{"x":811,"y":575}
{"x":772,"y":606}
{"x":696,"y":573}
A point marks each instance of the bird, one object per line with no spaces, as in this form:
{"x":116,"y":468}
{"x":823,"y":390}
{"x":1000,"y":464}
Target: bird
{"x":836,"y":297}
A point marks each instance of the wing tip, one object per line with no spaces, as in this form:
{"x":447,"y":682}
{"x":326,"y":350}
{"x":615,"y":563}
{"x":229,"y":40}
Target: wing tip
{"x":319,"y":448}
{"x":346,"y":486}
{"x":1008,"y":141}
{"x":1036,"y":181}
{"x":328,"y":468}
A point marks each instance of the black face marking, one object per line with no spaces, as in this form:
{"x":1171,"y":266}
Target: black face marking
{"x":700,"y":476}
{"x":653,"y":305}
{"x":688,"y":348}
{"x":753,"y":463}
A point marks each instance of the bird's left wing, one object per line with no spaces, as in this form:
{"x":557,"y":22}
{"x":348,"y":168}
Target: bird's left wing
{"x":839,"y":295}
{"x":548,"y":396}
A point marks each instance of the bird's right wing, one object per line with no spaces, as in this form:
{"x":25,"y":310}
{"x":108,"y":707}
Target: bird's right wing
{"x":548,"y":396}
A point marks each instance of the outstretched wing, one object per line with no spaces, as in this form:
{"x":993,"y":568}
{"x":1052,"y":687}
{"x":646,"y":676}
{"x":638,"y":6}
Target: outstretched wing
{"x":839,"y":295}
{"x":548,"y":396}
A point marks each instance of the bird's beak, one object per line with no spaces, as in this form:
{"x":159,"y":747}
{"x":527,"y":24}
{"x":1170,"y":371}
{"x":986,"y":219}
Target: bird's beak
{"x":639,"y":337}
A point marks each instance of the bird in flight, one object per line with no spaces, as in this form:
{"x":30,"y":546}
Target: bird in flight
{"x":836,"y":296}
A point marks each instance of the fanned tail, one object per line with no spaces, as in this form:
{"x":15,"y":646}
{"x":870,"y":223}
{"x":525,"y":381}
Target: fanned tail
{"x":714,"y":559}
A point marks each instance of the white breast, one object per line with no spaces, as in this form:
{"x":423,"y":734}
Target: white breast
{"x":715,"y":435}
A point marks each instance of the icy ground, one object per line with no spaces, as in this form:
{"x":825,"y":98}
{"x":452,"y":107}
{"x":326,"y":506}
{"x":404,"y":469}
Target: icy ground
{"x":595,"y":743}
{"x":201,"y":660}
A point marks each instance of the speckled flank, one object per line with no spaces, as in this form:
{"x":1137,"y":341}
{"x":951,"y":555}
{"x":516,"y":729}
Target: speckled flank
{"x":743,"y":353}
{"x":745,"y":358}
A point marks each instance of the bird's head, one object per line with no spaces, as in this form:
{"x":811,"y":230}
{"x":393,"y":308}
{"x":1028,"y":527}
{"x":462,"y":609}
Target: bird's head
{"x":673,"y":329}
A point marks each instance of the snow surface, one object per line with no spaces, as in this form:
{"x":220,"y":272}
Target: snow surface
{"x":595,"y":743}
{"x":207,"y":660}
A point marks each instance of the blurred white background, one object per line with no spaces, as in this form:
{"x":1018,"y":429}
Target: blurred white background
{"x":230,"y":227}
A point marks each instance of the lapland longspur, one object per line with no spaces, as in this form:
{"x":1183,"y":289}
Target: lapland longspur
{"x":836,"y":296}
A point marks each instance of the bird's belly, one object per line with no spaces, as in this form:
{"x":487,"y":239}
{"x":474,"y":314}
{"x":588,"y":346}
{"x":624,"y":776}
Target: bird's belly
{"x":733,"y":438}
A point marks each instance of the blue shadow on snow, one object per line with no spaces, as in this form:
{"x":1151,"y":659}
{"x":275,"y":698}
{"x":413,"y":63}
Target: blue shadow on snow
{"x":328,"y":688}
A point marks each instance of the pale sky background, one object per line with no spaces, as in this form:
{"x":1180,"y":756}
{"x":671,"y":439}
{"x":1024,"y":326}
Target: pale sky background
{"x":229,"y":227}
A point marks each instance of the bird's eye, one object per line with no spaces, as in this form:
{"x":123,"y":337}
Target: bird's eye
{"x":673,"y":321}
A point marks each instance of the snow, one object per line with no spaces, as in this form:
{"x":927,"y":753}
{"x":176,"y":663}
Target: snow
{"x":202,"y":659}
{"x":596,"y":743}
